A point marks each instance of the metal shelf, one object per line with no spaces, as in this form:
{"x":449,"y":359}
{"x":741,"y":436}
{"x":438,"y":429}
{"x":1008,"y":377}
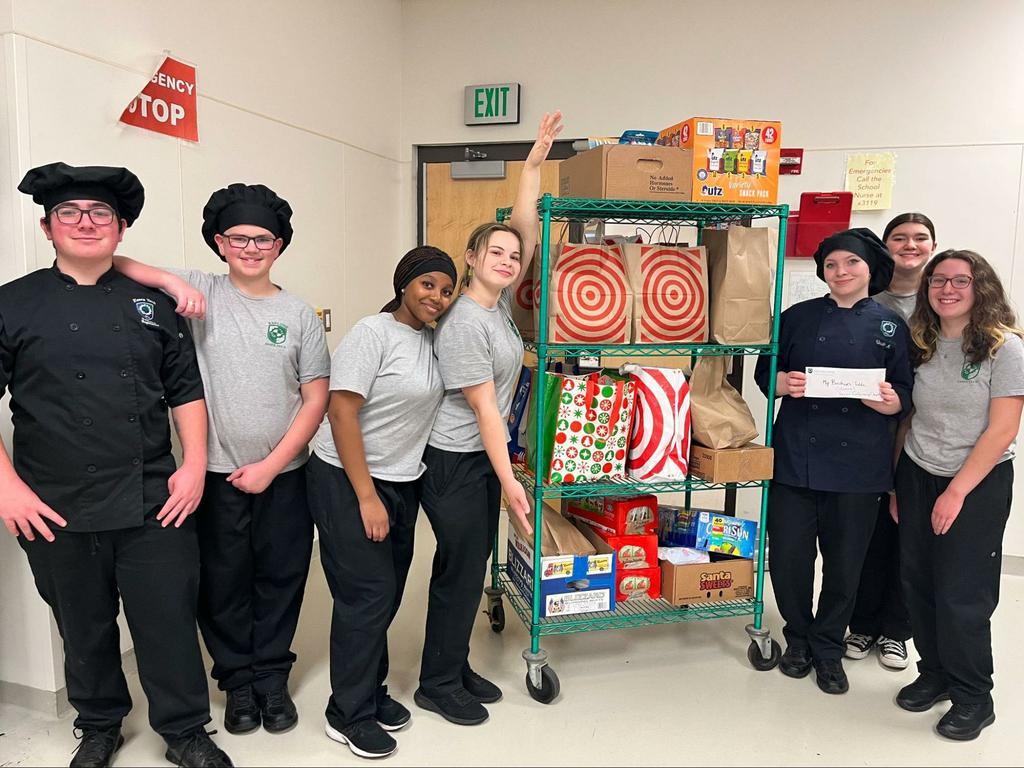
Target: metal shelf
{"x":623,"y":487}
{"x":627,"y":613}
{"x":649,"y":350}
{"x":644,"y":211}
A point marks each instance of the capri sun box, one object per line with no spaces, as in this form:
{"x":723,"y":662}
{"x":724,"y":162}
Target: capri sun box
{"x":731,"y":161}
{"x":574,"y":577}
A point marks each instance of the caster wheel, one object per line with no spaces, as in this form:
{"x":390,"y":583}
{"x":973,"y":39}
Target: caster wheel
{"x":759,"y":662}
{"x":496,"y":613}
{"x":549,"y":686}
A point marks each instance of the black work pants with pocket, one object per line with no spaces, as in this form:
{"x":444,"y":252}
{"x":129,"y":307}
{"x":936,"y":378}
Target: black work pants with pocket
{"x":880,"y":608}
{"x":155,"y":573}
{"x":951,"y":582}
{"x":254,"y":559}
{"x":800,"y":522}
{"x":461,"y":496}
{"x":366,"y":578}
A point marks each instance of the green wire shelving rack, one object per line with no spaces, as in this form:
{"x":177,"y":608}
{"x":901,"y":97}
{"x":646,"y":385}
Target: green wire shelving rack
{"x":763,"y":652}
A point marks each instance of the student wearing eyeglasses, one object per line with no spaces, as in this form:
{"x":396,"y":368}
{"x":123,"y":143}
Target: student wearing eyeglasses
{"x":264,"y":359}
{"x":954,"y":484}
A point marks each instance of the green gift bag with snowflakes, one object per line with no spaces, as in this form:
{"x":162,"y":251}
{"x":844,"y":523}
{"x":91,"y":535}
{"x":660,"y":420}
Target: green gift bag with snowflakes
{"x":587,"y":423}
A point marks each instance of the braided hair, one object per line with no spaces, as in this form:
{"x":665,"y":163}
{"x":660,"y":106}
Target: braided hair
{"x":407,"y":270}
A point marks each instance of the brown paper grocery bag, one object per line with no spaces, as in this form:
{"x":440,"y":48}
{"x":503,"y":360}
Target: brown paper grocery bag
{"x":719,"y":415}
{"x":589,"y":299}
{"x":739,"y":263}
{"x":557,"y":535}
{"x":670,"y":293}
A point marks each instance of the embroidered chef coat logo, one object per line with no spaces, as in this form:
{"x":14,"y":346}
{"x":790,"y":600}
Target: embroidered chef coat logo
{"x":969,"y":371}
{"x":888,"y":328}
{"x":277,"y":333}
{"x":146,"y":309}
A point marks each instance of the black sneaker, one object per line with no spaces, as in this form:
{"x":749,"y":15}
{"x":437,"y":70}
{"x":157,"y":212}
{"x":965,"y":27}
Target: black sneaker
{"x":459,"y":706}
{"x":97,"y":747}
{"x":858,"y":645}
{"x":796,"y":661}
{"x":964,"y":722}
{"x":242,"y":713}
{"x":392,"y":715}
{"x":482,"y":689}
{"x":922,"y":694}
{"x":197,"y":750}
{"x":278,"y":711}
{"x":830,"y":676}
{"x":365,"y":738}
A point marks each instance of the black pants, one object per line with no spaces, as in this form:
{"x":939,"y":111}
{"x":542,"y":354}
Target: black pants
{"x":254,"y":558}
{"x":880,"y":609}
{"x":155,"y":571}
{"x":462,"y":499}
{"x":951,"y":582}
{"x":366,"y":579}
{"x":799,"y":522}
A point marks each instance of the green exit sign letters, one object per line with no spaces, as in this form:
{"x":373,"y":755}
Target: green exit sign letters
{"x":492,"y":103}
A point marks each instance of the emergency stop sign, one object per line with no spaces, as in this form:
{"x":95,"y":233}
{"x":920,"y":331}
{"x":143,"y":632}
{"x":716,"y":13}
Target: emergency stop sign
{"x":168,"y":102}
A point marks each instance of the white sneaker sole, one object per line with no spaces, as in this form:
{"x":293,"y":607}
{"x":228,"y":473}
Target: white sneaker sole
{"x":339,"y":737}
{"x":893,"y":663}
{"x":854,"y":653}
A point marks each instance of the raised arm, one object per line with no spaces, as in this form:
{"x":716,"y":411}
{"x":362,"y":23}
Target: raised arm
{"x":524,"y":210}
{"x":190,"y":300}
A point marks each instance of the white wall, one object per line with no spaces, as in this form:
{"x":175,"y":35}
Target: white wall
{"x":935,"y":81}
{"x":303,"y":98}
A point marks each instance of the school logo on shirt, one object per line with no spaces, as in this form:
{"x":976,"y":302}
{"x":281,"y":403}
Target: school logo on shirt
{"x":277,"y":333}
{"x":146,"y":309}
{"x":970,"y":371}
{"x":888,"y":328}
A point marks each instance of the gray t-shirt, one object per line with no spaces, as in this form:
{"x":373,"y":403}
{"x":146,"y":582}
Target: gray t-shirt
{"x":474,"y":345}
{"x":897,"y":302}
{"x":254,"y":353}
{"x":393,"y":367}
{"x":951,"y":403}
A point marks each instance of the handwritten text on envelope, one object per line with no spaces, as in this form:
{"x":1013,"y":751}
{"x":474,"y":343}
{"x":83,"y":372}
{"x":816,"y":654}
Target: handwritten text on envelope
{"x":858,"y":383}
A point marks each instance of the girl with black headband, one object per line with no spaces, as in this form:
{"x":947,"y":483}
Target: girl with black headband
{"x":363,"y":489}
{"x":833,"y":456}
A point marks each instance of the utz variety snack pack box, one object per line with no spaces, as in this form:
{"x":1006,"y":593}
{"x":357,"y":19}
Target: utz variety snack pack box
{"x":629,"y":516}
{"x":732,"y":161}
{"x":717,"y":532}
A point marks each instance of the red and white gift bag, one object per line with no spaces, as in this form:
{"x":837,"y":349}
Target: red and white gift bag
{"x":590,"y":300}
{"x":670,"y":293}
{"x":659,"y":448}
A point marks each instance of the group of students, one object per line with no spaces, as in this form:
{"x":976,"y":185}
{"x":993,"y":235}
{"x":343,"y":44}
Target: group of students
{"x":97,"y":348}
{"x":906,"y":496}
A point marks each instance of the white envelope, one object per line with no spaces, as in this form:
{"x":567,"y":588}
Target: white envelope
{"x":857,"y":383}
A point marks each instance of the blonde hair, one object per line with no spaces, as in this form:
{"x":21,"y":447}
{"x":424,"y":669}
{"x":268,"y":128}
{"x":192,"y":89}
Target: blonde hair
{"x":479,"y":239}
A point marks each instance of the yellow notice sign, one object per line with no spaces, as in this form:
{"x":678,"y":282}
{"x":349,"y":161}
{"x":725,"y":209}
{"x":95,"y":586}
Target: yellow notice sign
{"x":869,"y":176}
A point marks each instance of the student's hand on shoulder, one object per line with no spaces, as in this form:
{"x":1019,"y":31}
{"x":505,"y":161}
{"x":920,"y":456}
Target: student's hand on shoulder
{"x":946,"y":510}
{"x":186,"y":490}
{"x":191,"y":301}
{"x":24,"y":513}
{"x":253,"y":478}
{"x":375,"y":518}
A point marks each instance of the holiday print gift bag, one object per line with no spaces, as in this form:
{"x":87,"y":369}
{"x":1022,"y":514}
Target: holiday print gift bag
{"x":659,"y":447}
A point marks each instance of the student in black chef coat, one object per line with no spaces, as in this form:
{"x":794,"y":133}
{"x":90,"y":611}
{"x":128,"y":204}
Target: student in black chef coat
{"x":833,"y":457}
{"x":93,"y":362}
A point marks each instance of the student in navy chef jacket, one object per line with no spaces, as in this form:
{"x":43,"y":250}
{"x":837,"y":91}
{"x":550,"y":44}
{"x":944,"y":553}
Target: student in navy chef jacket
{"x":833,"y":457}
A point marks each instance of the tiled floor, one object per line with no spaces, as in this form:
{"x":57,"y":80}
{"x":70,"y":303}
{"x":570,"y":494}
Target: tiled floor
{"x":669,"y":695}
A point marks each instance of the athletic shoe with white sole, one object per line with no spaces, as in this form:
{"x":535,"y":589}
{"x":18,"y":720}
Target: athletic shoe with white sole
{"x":892,"y":653}
{"x":858,"y":646}
{"x":364,"y":737}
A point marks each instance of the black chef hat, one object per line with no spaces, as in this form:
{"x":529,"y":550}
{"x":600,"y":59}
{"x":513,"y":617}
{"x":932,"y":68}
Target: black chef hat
{"x":252,"y":204}
{"x":864,"y":243}
{"x":56,"y":183}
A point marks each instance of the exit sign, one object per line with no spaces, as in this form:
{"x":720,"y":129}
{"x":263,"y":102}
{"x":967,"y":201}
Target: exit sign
{"x":493,"y":103}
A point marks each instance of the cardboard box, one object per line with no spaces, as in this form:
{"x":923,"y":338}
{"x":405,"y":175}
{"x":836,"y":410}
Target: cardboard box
{"x":731,"y":465}
{"x":628,"y":172}
{"x":725,"y":534}
{"x":731,"y":161}
{"x":633,"y":583}
{"x":726,"y":579}
{"x":631,"y":551}
{"x":620,"y":516}
{"x":569,"y":583}
{"x":677,"y":526}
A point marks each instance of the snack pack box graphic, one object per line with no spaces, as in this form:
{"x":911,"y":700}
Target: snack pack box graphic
{"x":569,"y":584}
{"x":717,"y":532}
{"x":733,"y":161}
{"x":619,"y":516}
{"x":677,"y":526}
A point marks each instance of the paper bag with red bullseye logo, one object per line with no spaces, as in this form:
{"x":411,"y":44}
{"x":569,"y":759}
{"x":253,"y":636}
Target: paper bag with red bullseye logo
{"x":589,"y":298}
{"x":670,"y":293}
